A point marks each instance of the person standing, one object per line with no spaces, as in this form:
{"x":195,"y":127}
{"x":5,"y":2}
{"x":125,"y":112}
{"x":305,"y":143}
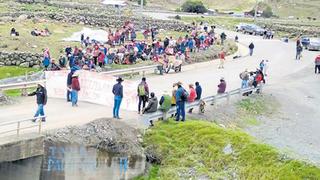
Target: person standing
{"x":244,"y":76}
{"x":42,"y":98}
{"x":46,"y":58}
{"x":69,"y":83}
{"x":266,"y":65}
{"x":317,"y":64}
{"x":222,"y":57}
{"x":222,"y":86}
{"x":223,"y":37}
{"x":117,"y":90}
{"x":261,"y":65}
{"x":181,"y":98}
{"x":299,"y":51}
{"x":192,"y":96}
{"x":251,"y":47}
{"x":75,"y":88}
{"x":198,"y":91}
{"x":143,"y":94}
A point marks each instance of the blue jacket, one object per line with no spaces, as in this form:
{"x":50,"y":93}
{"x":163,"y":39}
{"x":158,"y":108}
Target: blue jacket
{"x":179,"y":93}
{"x":117,"y":90}
{"x":199,"y":92}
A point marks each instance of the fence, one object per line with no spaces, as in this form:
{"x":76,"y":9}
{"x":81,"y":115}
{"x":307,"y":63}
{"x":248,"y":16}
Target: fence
{"x":210,"y":99}
{"x":23,"y":86}
{"x":17,"y":126}
{"x":131,"y":71}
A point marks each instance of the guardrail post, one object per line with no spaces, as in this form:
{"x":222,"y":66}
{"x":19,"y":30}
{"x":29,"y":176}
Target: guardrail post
{"x":18,"y":128}
{"x":165,"y":116}
{"x":240,"y":92}
{"x":228,"y":97}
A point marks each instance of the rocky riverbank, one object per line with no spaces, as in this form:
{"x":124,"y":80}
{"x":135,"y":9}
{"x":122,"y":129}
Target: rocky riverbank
{"x":107,"y":134}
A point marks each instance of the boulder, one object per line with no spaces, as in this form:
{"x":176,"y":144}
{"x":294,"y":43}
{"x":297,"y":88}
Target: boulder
{"x":25,"y":64}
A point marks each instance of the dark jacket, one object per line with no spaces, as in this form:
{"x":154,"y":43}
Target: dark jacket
{"x":117,"y":90}
{"x":251,"y":46}
{"x":222,"y":87}
{"x":152,"y":105}
{"x":41,"y":94}
{"x":199,"y":92}
{"x":69,"y":78}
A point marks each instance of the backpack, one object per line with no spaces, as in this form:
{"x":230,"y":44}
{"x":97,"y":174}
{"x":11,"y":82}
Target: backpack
{"x":141,"y":90}
{"x":184,"y":95}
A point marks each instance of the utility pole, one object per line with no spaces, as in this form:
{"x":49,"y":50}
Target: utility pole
{"x":141,"y":4}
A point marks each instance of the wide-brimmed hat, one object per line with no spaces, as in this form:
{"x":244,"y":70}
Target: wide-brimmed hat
{"x":76,"y":74}
{"x":119,"y":79}
{"x":41,"y":84}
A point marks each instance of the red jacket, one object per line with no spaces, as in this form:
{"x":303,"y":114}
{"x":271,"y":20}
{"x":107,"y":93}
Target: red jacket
{"x":101,"y":57}
{"x":75,"y":84}
{"x":192,"y":95}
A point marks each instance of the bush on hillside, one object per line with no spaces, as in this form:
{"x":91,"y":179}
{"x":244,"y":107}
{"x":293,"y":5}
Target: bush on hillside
{"x":193,"y":6}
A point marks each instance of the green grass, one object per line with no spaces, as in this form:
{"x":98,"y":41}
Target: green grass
{"x":13,"y":71}
{"x":17,"y":92}
{"x":28,"y":43}
{"x":199,"y":145}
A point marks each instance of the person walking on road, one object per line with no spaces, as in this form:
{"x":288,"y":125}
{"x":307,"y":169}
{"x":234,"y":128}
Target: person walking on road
{"x":192,"y":96}
{"x":75,"y":88}
{"x":42,"y":98}
{"x":117,"y":90}
{"x":251,"y":47}
{"x":222,"y":86}
{"x":317,"y":65}
{"x":222,"y":56}
{"x":299,"y":51}
{"x":143,"y":94}
{"x":181,"y":98}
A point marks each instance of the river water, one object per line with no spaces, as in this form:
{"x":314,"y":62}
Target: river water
{"x":74,"y":162}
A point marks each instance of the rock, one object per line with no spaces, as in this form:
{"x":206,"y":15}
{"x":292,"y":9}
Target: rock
{"x":22,"y":17}
{"x":228,"y":149}
{"x":25,"y":64}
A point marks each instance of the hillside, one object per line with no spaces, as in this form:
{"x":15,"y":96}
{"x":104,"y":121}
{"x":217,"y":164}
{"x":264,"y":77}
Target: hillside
{"x":282,"y":8}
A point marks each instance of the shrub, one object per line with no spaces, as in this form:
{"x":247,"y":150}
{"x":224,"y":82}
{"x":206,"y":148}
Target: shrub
{"x":177,"y":17}
{"x":194,"y":6}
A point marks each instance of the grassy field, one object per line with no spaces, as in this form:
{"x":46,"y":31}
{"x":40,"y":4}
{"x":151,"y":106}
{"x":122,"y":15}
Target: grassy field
{"x":207,"y":150}
{"x":28,"y":43}
{"x":13,"y":71}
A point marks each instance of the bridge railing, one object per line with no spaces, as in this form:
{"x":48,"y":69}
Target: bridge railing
{"x":210,"y":99}
{"x":23,"y":86}
{"x":131,"y":71}
{"x":15,"y":127}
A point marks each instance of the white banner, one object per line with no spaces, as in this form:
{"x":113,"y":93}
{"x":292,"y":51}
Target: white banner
{"x":95,"y":88}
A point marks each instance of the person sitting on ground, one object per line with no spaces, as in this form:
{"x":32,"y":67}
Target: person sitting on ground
{"x":222,"y":86}
{"x":62,"y":61}
{"x":152,"y":105}
{"x":53,"y":66}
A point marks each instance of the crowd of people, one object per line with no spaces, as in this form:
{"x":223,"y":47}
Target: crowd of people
{"x":122,"y":47}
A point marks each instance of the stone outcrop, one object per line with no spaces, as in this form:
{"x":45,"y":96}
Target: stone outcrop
{"x":23,"y":59}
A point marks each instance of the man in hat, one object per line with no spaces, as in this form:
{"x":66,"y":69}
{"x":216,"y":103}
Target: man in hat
{"x":75,"y":86}
{"x":41,"y":94}
{"x":181,"y":98}
{"x":117,"y":90}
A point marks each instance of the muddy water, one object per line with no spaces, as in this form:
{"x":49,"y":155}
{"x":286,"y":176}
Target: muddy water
{"x":74,"y":162}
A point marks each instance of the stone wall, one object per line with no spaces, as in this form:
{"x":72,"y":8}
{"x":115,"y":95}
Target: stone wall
{"x":23,"y":59}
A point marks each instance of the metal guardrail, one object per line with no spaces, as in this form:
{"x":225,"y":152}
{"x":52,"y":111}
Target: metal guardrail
{"x":19,"y":126}
{"x":142,"y":69}
{"x":209,"y":99}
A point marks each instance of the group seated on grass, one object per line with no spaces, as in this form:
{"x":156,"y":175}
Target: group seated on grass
{"x":44,"y":33}
{"x":122,"y":47}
